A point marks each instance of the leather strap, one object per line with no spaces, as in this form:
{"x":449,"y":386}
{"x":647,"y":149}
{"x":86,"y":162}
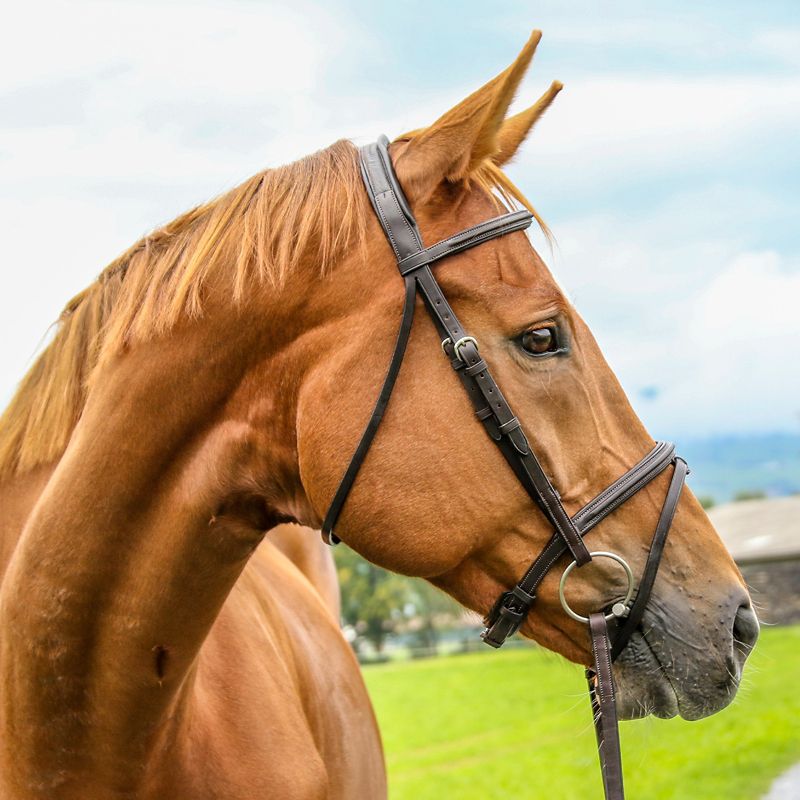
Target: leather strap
{"x":511,"y":608}
{"x":349,"y":477}
{"x":399,"y":225}
{"x":604,"y":708}
{"x":491,"y":408}
{"x":395,"y":215}
{"x":498,"y":418}
{"x":648,"y":579}
{"x":507,"y":223}
{"x":600,"y":678}
{"x":635,"y":479}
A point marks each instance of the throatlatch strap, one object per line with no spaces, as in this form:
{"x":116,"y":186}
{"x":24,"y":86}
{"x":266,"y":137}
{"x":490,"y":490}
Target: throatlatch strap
{"x":349,"y":477}
{"x":395,"y":215}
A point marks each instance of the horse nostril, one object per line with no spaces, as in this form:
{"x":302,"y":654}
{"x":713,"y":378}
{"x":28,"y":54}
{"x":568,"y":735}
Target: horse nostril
{"x":745,"y":628}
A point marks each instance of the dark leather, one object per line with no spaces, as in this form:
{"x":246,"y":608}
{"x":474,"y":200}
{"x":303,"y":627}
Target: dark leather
{"x":395,"y":216}
{"x":600,"y":677}
{"x":648,"y":579}
{"x":401,"y":230}
{"x":509,"y":611}
{"x":507,"y":223}
{"x":604,"y":708}
{"x":511,"y":608}
{"x":505,"y":429}
{"x":349,"y":477}
{"x":636,"y":478}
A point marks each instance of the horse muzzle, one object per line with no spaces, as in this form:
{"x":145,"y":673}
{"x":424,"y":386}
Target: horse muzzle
{"x":686,"y":662}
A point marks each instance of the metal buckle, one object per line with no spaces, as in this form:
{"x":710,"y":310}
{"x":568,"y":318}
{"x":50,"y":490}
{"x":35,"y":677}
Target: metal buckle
{"x":506,"y":623}
{"x":504,"y":620}
{"x":620,"y":609}
{"x":462,"y":341}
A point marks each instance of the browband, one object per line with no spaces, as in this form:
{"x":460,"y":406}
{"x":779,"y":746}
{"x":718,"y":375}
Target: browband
{"x":499,"y":226}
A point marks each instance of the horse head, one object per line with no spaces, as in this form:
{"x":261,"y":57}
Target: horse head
{"x":434,"y":497}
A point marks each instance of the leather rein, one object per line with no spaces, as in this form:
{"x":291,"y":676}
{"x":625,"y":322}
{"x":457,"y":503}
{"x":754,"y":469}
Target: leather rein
{"x":414,"y":262}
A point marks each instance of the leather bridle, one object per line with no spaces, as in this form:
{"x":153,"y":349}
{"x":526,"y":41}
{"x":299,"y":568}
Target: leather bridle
{"x":509,"y":611}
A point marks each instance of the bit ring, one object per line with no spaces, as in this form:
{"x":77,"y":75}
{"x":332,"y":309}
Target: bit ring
{"x":619,"y":609}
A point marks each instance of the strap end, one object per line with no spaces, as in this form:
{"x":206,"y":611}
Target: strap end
{"x":506,"y":616}
{"x":330,"y":538}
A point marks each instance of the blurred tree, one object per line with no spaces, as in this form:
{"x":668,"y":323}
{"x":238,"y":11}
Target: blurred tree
{"x":749,"y":494}
{"x":432,"y":606}
{"x":707,"y":501}
{"x":374,"y":601}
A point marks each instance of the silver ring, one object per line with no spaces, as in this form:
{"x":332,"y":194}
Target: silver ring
{"x":620,"y":609}
{"x":462,"y":341}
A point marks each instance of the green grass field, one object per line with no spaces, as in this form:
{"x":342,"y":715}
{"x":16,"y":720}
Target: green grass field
{"x":517,"y":723}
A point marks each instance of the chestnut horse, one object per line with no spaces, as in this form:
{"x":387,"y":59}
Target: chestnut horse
{"x":211,"y":384}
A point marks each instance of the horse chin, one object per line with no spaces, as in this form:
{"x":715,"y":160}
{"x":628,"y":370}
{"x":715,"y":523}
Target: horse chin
{"x":642,"y":685}
{"x":645,"y":686}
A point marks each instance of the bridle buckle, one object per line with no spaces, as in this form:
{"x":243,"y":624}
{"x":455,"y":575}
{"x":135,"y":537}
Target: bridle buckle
{"x":506,"y":616}
{"x":461,"y":342}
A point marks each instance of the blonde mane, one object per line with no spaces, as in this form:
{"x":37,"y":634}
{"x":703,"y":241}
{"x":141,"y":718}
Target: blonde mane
{"x":255,"y":234}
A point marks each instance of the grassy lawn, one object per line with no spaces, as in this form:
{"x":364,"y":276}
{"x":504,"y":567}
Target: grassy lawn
{"x":516,"y":723}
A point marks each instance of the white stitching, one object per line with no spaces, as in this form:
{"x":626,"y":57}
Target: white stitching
{"x":467,"y":243}
{"x":635,"y":475}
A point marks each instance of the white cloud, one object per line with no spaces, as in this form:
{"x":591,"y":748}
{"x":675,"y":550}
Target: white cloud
{"x":615,"y":127}
{"x":148,"y":84}
{"x":233,"y":49}
{"x":118,"y":116}
{"x":115,"y":117}
{"x":715,"y":330}
{"x":782,"y":44}
{"x":740,"y":349}
{"x":754,"y":301}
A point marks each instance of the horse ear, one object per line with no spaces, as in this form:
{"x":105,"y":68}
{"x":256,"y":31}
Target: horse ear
{"x":464,"y":137}
{"x":516,"y":129}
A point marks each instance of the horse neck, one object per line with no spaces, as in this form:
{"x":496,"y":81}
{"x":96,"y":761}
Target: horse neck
{"x":18,"y":495}
{"x":180,"y":462}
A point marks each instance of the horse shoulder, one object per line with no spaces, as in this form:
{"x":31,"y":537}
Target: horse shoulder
{"x":276,"y":700}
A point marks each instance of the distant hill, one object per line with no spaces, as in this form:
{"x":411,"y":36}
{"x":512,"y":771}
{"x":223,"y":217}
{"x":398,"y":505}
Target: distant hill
{"x":724,"y":465}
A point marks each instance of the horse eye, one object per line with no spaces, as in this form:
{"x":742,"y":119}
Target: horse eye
{"x":540,"y":341}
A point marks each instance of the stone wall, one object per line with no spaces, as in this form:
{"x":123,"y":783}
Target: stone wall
{"x":775,"y":588}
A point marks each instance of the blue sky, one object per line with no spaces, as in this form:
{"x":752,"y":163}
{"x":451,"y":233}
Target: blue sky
{"x":667,"y":168}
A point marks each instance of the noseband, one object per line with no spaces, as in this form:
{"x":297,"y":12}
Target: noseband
{"x":509,"y":611}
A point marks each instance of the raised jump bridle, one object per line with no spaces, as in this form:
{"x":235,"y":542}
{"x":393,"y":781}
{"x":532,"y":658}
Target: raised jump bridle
{"x":505,"y":430}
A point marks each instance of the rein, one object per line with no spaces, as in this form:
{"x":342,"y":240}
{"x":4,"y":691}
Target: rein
{"x":609,"y":631}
